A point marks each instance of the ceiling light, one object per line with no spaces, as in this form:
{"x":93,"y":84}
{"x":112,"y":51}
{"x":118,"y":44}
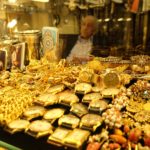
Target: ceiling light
{"x":41,"y":1}
{"x":12,"y":23}
{"x":12,"y":1}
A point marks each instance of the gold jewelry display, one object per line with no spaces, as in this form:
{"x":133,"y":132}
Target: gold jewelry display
{"x":46,"y":99}
{"x":17,"y":125}
{"x":13,"y":103}
{"x":87,"y":98}
{"x":79,"y":109}
{"x":83,"y":88}
{"x":52,"y":114}
{"x":110,"y":92}
{"x":55,"y":89}
{"x":57,"y":137}
{"x":91,"y":121}
{"x":76,"y":138}
{"x":69,"y":120}
{"x":34,"y":112}
{"x":39,"y":128}
{"x":111,"y":79}
{"x":98,"y":105}
{"x":68,"y":98}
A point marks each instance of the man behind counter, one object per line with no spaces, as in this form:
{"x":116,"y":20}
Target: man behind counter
{"x":82,"y":49}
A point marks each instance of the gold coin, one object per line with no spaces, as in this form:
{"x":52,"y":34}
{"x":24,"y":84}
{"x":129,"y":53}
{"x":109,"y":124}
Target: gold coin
{"x":111,"y":79}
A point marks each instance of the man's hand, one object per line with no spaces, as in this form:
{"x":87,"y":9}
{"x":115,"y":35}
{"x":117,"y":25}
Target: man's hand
{"x":81,"y":59}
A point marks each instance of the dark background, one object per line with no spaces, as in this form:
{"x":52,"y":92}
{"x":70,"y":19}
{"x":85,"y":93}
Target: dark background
{"x":27,"y":142}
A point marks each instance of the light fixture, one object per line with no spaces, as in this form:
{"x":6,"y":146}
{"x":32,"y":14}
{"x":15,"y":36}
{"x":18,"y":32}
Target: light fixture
{"x":12,"y":1}
{"x":120,"y":19}
{"x":12,"y":23}
{"x":107,"y":19}
{"x":44,"y":1}
{"x":100,"y":20}
{"x":128,"y":19}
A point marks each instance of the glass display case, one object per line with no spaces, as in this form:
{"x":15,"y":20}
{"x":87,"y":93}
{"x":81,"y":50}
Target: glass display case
{"x":102,"y":103}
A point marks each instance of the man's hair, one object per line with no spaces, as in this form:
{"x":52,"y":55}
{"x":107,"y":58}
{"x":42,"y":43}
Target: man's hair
{"x":93,"y":20}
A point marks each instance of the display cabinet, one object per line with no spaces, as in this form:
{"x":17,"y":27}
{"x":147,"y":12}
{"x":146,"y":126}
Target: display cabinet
{"x":102,"y":104}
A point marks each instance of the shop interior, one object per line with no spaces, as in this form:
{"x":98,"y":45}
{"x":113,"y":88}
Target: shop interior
{"x":101,"y":105}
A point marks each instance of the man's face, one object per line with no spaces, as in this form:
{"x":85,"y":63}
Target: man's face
{"x":87,"y":27}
